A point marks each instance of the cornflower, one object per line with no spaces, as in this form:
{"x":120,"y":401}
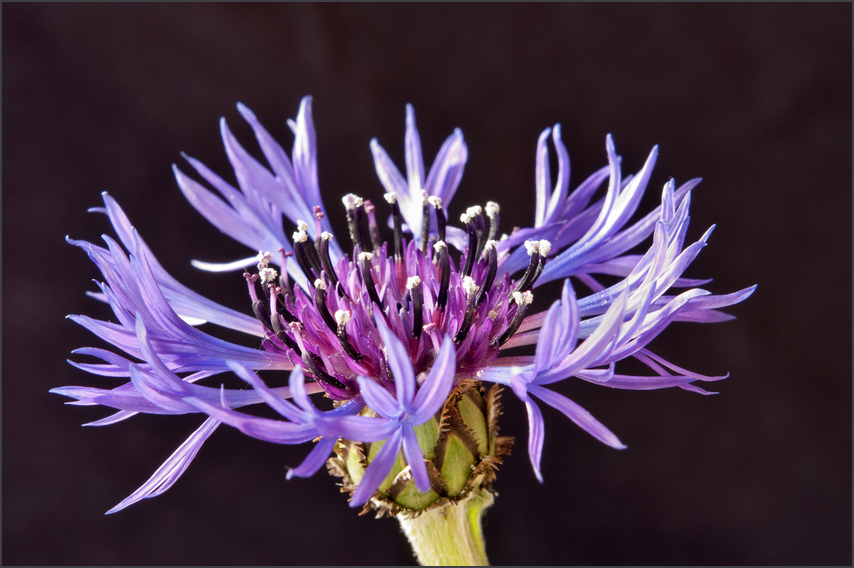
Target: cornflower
{"x":400,"y":338}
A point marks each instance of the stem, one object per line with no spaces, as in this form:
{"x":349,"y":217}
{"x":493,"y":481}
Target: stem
{"x":450,"y":535}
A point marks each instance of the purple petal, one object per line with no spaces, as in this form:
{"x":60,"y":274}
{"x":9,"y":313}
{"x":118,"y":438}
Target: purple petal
{"x":578,"y":415}
{"x":400,"y":365}
{"x":315,"y":459}
{"x":543,"y":177}
{"x":275,"y":431}
{"x":379,"y":399}
{"x":436,"y":387}
{"x":378,"y":470}
{"x":415,"y":458}
{"x":168,"y":473}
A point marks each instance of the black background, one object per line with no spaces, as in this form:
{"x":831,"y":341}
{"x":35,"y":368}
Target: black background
{"x":754,"y":98}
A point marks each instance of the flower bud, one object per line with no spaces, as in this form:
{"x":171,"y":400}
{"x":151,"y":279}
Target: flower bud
{"x":460,"y":445}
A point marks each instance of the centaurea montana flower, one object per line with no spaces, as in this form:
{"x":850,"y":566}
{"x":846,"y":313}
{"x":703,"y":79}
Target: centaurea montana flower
{"x":400,"y":337}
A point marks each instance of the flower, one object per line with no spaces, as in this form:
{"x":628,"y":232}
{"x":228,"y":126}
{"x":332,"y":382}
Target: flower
{"x":400,"y":335}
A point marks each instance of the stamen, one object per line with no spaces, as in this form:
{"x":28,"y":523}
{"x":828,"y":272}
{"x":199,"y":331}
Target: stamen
{"x":263,"y":259}
{"x":313,"y":363}
{"x":360,"y":218}
{"x":441,"y":219}
{"x":425,"y":222}
{"x":277,"y":326}
{"x":368,"y":278}
{"x":398,"y":221}
{"x":472,"y":250}
{"x":476,"y":213}
{"x":306,"y":255}
{"x":268,"y":275}
{"x":492,"y":258}
{"x":349,"y":202}
{"x":523,"y":300}
{"x":326,"y":262}
{"x":320,"y":302}
{"x":535,"y":267}
{"x":492,"y":210}
{"x":471,"y":290}
{"x":333,"y":323}
{"x":413,"y":284}
{"x":372,"y":225}
{"x":445,"y":279}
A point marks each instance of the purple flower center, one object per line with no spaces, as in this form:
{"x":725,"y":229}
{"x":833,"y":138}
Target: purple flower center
{"x":419,"y":291}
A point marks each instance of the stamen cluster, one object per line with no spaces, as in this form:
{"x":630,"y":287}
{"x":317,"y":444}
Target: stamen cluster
{"x":419,"y":292}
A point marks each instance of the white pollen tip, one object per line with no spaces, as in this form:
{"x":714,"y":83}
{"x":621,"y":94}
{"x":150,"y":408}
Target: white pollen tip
{"x":300,"y":237}
{"x":349,"y":201}
{"x":523,"y":298}
{"x":439,"y":245}
{"x":302,"y":226}
{"x":545,"y":248}
{"x":474,"y":210}
{"x":490,"y":244}
{"x":465,"y":218}
{"x":413,"y":282}
{"x":435,"y":201}
{"x":469,"y":285}
{"x":268,"y":275}
{"x":342,"y":317}
{"x":263,"y":259}
{"x":366,"y":255}
{"x":320,"y":284}
{"x":532,"y":247}
{"x":491,"y":209}
{"x":326,"y":236}
{"x":358,"y":201}
{"x":391,"y":198}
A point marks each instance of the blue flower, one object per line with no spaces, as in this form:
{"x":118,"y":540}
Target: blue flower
{"x":389,"y":332}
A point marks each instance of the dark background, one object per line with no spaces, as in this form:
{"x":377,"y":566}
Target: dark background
{"x":754,"y":98}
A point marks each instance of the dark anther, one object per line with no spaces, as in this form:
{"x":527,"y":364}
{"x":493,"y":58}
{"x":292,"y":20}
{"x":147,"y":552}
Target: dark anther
{"x":471,"y":307}
{"x":313,"y":362}
{"x":492,"y":210}
{"x":398,"y":222}
{"x":470,"y":254}
{"x":368,"y":279}
{"x":538,"y":250}
{"x":320,"y":302}
{"x":425,"y":225}
{"x":476,"y":214}
{"x":336,"y":327}
{"x":523,"y":300}
{"x":413,"y":284}
{"x":492,"y":259}
{"x":326,"y":262}
{"x":349,"y":201}
{"x":280,"y":332}
{"x":445,"y":281}
{"x":259,"y":308}
{"x":306,"y":254}
{"x":360,"y":218}
{"x":372,"y":225}
{"x":441,"y":219}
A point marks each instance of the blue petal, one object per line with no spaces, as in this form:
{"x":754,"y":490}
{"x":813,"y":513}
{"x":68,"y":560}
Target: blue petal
{"x":378,"y":470}
{"x":168,"y":473}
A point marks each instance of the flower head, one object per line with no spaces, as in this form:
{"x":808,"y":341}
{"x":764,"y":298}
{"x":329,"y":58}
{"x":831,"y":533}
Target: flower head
{"x":400,"y":335}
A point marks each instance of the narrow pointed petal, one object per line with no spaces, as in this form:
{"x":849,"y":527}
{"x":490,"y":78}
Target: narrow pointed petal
{"x":377,"y":471}
{"x":168,"y":473}
{"x":578,"y":415}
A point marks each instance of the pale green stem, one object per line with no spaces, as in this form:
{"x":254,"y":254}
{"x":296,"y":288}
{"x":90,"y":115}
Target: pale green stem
{"x":450,"y":535}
